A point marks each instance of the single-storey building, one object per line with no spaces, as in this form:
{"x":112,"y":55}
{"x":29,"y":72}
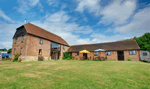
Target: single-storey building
{"x":32,"y":42}
{"x":119,"y":50}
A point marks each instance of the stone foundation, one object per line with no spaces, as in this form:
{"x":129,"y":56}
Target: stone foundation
{"x":32,"y":58}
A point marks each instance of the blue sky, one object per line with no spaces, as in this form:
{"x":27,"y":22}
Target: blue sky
{"x":77,"y":21}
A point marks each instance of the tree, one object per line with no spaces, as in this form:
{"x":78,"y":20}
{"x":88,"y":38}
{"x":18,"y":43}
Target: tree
{"x":9,"y":51}
{"x":144,"y":41}
{"x":3,"y":49}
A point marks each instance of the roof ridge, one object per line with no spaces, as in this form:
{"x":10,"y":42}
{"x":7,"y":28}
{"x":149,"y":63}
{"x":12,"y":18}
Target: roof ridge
{"x":102,"y":43}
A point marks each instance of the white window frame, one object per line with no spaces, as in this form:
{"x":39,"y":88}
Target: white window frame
{"x":132,"y":52}
{"x":108,"y":53}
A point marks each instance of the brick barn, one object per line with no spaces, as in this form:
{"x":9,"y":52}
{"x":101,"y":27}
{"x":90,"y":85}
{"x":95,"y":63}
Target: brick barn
{"x":33,"y":42}
{"x":119,"y":50}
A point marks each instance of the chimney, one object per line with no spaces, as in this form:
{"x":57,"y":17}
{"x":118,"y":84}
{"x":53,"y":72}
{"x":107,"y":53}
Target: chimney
{"x":25,"y":21}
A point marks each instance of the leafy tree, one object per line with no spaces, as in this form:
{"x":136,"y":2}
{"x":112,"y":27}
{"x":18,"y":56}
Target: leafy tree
{"x":3,"y":49}
{"x":144,"y":41}
{"x":9,"y":51}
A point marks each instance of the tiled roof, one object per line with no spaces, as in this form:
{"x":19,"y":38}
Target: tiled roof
{"x":37,"y":31}
{"x":111,"y":46}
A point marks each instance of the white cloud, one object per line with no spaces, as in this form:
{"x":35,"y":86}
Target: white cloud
{"x":63,"y":7}
{"x":53,"y":2}
{"x":34,"y":2}
{"x":91,"y":5}
{"x":5,"y":17}
{"x":83,"y":41}
{"x":57,"y":24}
{"x":85,"y":19}
{"x":6,"y":45}
{"x":40,"y":7}
{"x":25,"y":5}
{"x":139,"y":25}
{"x":100,"y":38}
{"x":7,"y":32}
{"x":118,"y":12}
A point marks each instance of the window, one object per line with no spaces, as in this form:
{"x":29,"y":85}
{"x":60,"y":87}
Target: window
{"x":144,"y":54}
{"x":95,"y":53}
{"x":20,"y":51}
{"x":41,"y":41}
{"x":55,"y":46}
{"x":40,"y":51}
{"x":77,"y":54}
{"x":22,"y":38}
{"x":63,"y":47}
{"x":133,"y":52}
{"x":16,"y":41}
{"x":14,"y":50}
{"x":108,"y":53}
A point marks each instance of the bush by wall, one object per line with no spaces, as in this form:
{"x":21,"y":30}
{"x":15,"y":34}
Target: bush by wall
{"x":129,"y":59}
{"x":16,"y":57}
{"x":66,"y":56}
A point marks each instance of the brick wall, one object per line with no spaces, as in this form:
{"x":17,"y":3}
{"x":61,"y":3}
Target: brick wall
{"x":31,"y":45}
{"x":19,"y":44}
{"x":90,"y":55}
{"x":34,"y":46}
{"x":63,"y":49}
{"x":113,"y":56}
{"x":133,"y":57}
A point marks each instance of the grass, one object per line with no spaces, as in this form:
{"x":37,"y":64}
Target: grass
{"x":74,"y":74}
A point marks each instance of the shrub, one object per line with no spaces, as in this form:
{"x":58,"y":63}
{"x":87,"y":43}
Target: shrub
{"x":67,"y":56}
{"x":16,"y":57}
{"x":129,"y":59}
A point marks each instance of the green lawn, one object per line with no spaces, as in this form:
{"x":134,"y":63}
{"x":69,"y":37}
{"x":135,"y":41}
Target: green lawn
{"x":74,"y":74}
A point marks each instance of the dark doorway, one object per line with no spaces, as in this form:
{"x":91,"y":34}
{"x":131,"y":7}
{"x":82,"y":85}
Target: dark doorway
{"x":120,"y":55}
{"x":84,"y":56}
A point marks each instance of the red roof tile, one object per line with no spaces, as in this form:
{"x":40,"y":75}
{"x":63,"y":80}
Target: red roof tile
{"x":37,"y":31}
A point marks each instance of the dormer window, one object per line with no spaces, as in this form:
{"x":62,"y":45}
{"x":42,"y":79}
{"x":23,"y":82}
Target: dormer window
{"x":41,"y":41}
{"x":22,"y":38}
